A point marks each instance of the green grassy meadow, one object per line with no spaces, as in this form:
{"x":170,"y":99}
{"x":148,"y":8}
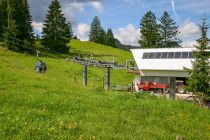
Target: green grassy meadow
{"x":57,"y":107}
{"x":99,"y":51}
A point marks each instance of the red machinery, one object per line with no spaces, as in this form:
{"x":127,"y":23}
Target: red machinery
{"x":149,"y":86}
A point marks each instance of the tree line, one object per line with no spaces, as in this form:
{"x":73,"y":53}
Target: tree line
{"x":162,"y":35}
{"x":15,"y":24}
{"x":152,"y":34}
{"x":17,"y":31}
{"x":99,"y":35}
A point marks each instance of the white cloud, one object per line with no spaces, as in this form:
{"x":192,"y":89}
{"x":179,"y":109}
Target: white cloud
{"x":74,"y":6}
{"x":69,"y":9}
{"x":97,"y":5}
{"x":82,"y":31}
{"x":189,"y":44}
{"x":128,"y":35}
{"x":37,"y":26}
{"x":189,"y":32}
{"x":189,"y":29}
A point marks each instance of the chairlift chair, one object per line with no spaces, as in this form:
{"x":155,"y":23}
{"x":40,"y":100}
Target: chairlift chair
{"x":40,"y":67}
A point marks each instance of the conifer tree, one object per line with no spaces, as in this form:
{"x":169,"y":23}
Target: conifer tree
{"x":199,"y":77}
{"x":11,"y":27}
{"x":69,"y":31}
{"x":97,"y":33}
{"x":56,"y":32}
{"x":24,"y":26}
{"x":149,"y":30}
{"x":168,"y":32}
{"x":10,"y":36}
{"x":109,"y":38}
{"x":3,"y":17}
{"x":19,"y":31}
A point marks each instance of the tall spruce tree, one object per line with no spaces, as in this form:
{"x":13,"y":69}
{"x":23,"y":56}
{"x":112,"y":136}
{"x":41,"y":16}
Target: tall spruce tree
{"x":19,"y":31}
{"x":109,"y":38}
{"x":149,"y":30}
{"x":69,"y":31}
{"x":56,"y":32}
{"x":199,"y":77}
{"x":25,"y":27}
{"x":168,"y":32}
{"x":11,"y":27}
{"x":10,"y":36}
{"x":97,"y":33}
{"x":3,"y":17}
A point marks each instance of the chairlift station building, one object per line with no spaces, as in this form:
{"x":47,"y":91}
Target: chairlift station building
{"x":162,"y":65}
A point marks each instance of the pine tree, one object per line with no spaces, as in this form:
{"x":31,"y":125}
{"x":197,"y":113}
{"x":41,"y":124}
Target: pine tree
{"x":168,"y":32}
{"x":69,"y":31}
{"x":3,"y":15}
{"x":103,"y":36}
{"x":149,"y":30}
{"x":19,"y":29}
{"x":97,"y":33}
{"x":11,"y":27}
{"x":25,"y":27}
{"x":199,"y":75}
{"x":56,"y":32}
{"x":109,"y":38}
{"x":10,"y":36}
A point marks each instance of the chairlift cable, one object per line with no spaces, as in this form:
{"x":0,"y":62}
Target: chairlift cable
{"x":41,"y":47}
{"x":34,"y":50}
{"x":12,"y":41}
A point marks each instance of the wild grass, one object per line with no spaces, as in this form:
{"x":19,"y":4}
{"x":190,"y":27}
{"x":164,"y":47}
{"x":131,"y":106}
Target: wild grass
{"x":54,"y":107}
{"x":99,"y":51}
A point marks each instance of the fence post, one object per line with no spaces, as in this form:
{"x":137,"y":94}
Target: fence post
{"x":172,"y":86}
{"x":132,"y":89}
{"x":107,"y":87}
{"x":85,"y":75}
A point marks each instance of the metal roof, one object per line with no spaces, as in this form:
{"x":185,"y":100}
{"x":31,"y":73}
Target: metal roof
{"x":163,"y":63}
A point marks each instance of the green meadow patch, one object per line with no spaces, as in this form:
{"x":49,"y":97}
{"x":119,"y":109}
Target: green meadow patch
{"x":98,"y":51}
{"x":57,"y":107}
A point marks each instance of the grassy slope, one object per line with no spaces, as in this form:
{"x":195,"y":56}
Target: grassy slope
{"x":99,"y":50}
{"x":53,"y":107}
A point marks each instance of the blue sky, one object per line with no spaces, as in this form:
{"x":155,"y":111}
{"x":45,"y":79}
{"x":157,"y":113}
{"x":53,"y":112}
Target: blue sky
{"x":123,"y":16}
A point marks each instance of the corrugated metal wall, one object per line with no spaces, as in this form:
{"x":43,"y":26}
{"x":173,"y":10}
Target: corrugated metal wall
{"x":155,"y":79}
